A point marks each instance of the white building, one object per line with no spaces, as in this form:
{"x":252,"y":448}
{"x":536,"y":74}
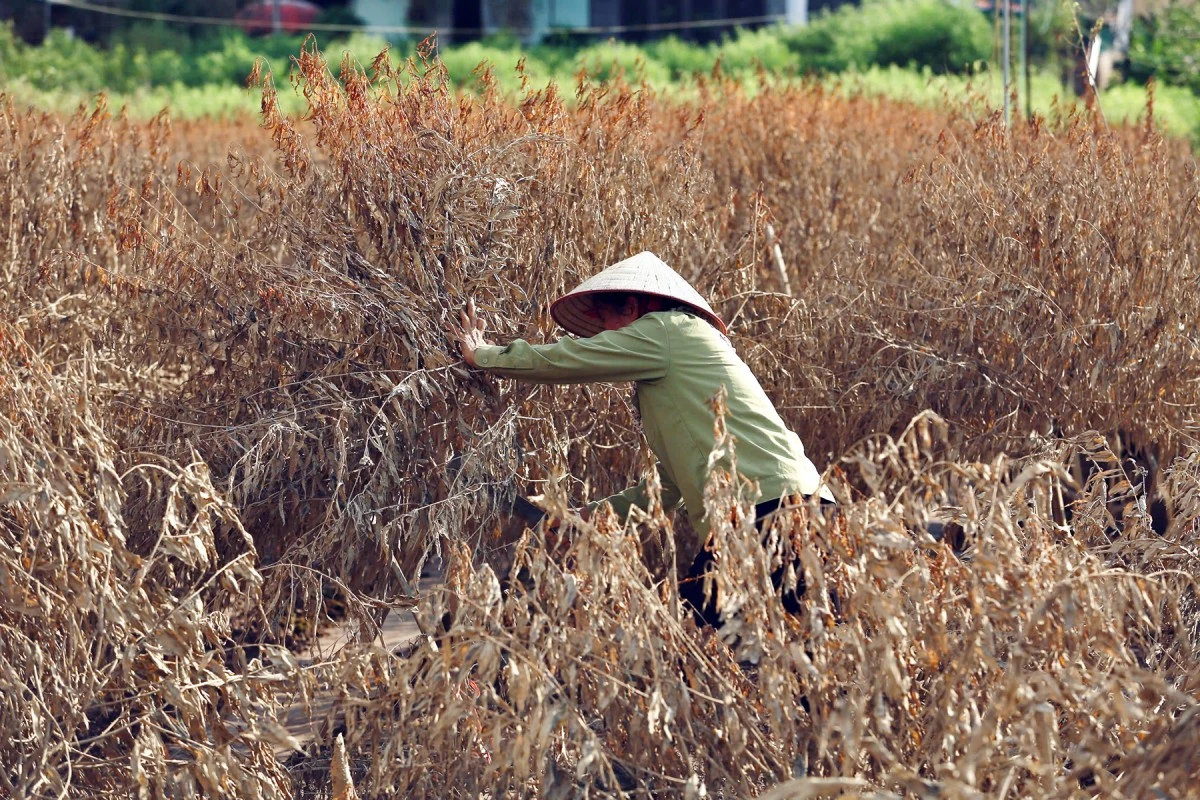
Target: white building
{"x":533,"y":19}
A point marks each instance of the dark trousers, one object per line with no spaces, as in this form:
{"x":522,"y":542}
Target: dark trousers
{"x":704,"y":609}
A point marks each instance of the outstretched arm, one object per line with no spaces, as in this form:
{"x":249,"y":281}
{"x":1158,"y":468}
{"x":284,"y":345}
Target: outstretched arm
{"x":637,"y":352}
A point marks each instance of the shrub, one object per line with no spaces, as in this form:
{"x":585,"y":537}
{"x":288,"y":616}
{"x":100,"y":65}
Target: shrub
{"x":11,"y":51}
{"x":149,"y":55}
{"x":463,"y":64}
{"x":750,"y":50}
{"x":66,"y":61}
{"x":556,"y":57}
{"x":364,"y":48}
{"x":944,"y":36}
{"x":941,"y":35}
{"x":1166,"y":46}
{"x":153,"y":37}
{"x":228,"y":57}
{"x":229,"y":63}
{"x":680,"y":58}
{"x":1176,"y":109}
{"x":607,"y":60}
{"x":166,"y":67}
{"x":834,"y":42}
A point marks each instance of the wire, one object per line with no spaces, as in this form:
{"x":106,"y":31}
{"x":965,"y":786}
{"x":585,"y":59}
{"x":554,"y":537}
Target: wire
{"x":156,"y":16}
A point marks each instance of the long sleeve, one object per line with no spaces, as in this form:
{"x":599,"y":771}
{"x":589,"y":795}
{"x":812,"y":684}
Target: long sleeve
{"x":635,"y":496}
{"x":679,"y":361}
{"x":636,"y":352}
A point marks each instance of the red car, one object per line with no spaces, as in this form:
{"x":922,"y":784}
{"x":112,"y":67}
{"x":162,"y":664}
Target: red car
{"x":294,"y":16}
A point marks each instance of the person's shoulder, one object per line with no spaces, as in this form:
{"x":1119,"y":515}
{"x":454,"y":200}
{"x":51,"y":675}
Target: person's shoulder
{"x":673,"y":317}
{"x":653,"y":321}
{"x":685,"y":329}
{"x":685,"y":322}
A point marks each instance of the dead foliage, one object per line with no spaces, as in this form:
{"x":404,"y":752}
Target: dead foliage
{"x":1036,"y":666}
{"x":230,"y":394}
{"x":116,"y":668}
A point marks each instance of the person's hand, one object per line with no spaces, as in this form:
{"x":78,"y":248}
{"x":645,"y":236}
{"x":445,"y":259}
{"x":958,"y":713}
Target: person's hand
{"x":470,"y":335}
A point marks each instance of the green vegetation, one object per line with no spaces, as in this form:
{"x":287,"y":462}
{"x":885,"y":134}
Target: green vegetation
{"x":184,"y":102}
{"x":151,"y":56}
{"x":1176,"y":109}
{"x":925,"y":51}
{"x":1167,"y":46}
{"x":922,"y":33}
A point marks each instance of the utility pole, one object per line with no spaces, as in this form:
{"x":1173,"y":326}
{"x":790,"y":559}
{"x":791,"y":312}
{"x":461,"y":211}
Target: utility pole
{"x":1026,"y":5}
{"x":46,"y":20}
{"x":276,"y":17}
{"x":796,"y":12}
{"x":1007,"y":54}
{"x":1123,"y":30}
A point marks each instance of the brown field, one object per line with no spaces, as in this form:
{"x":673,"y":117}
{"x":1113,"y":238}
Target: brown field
{"x":228,"y":397}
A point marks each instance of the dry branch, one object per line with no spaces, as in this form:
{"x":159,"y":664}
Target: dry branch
{"x":229,"y":401}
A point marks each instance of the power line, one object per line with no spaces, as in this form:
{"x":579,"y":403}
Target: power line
{"x":155,"y":16}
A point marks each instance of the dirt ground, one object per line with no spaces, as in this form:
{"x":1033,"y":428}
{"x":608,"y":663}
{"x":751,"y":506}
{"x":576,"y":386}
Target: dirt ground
{"x":305,"y":723}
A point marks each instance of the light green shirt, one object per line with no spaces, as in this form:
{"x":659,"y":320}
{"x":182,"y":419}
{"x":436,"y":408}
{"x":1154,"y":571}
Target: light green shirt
{"x":678,"y":361}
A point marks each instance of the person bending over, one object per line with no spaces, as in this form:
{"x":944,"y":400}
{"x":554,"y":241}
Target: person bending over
{"x":640,"y":321}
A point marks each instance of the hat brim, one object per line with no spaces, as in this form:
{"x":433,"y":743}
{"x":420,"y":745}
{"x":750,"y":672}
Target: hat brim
{"x":577,"y":311}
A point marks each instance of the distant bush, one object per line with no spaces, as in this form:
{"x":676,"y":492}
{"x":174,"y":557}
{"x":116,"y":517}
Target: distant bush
{"x":230,"y":63}
{"x":607,"y":60}
{"x":938,"y":34}
{"x":1176,"y":109}
{"x":834,"y":42}
{"x":152,"y":37}
{"x":166,"y":67}
{"x":363,"y":50}
{"x":145,"y":56}
{"x":463,"y":62}
{"x":919,"y":50}
{"x":672,"y":58}
{"x":681,"y":59}
{"x":750,"y":50}
{"x":66,"y":61}
{"x":932,"y":33}
{"x":1166,"y":46}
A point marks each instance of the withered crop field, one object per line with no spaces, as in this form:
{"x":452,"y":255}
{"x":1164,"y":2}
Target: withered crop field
{"x":230,"y":406}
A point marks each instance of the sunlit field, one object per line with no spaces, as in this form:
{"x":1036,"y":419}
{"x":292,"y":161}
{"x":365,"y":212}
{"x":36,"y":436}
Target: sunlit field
{"x":231,"y":408}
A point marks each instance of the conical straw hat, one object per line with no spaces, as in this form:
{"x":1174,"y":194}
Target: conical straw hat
{"x":644,"y":273}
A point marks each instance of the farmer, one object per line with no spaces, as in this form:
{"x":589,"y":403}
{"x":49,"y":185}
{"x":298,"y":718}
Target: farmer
{"x":639,"y":321}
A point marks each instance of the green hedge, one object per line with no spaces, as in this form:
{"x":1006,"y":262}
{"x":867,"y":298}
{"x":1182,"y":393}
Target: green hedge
{"x":943,"y":36}
{"x":149,"y":64}
{"x":1167,"y":47}
{"x":940,"y":35}
{"x":927,"y":33}
{"x":1176,"y":108}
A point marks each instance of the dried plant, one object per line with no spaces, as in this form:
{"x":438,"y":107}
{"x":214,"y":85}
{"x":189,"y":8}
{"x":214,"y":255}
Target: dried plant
{"x":115,"y":671}
{"x":1036,"y":666}
{"x":231,"y":397}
